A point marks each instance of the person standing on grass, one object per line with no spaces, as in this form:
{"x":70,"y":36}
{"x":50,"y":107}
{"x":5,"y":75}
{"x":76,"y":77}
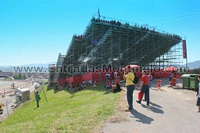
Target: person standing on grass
{"x":198,"y":96}
{"x":129,"y":77}
{"x":37,"y":97}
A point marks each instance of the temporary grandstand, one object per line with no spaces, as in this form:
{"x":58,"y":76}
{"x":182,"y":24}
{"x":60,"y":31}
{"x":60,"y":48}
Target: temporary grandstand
{"x":118,"y":43}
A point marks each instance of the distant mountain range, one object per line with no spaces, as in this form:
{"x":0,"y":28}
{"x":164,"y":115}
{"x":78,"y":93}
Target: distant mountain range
{"x":195,"y":64}
{"x":45,"y":66}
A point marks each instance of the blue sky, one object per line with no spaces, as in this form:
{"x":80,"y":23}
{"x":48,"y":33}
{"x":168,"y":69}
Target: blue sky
{"x":36,"y":31}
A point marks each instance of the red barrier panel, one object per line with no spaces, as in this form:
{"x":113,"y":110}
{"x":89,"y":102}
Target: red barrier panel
{"x":96,"y":77}
{"x":101,"y":76}
{"x":87,"y":76}
{"x":77,"y":79}
{"x":61,"y":81}
{"x":69,"y":80}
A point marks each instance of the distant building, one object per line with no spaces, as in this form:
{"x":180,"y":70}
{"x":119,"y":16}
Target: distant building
{"x":5,"y":74}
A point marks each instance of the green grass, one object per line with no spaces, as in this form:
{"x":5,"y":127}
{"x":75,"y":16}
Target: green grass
{"x":63,"y":112}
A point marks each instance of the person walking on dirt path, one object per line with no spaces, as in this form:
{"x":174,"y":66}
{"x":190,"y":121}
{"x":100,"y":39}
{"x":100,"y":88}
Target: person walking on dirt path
{"x":129,"y":77}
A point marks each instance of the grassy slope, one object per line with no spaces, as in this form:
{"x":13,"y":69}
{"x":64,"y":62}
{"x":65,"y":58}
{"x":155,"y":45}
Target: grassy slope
{"x":65,"y":111}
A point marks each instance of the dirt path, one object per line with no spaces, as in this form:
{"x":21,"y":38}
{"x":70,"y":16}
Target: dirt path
{"x":170,"y":110}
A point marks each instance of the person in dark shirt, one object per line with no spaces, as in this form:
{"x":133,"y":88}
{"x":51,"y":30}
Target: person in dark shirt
{"x":37,"y":97}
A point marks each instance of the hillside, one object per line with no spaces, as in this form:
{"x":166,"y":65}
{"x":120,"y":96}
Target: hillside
{"x":63,"y":111}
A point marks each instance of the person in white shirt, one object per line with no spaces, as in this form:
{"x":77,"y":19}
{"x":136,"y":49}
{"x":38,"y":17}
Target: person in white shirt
{"x":108,"y":76}
{"x":89,"y":82}
{"x":115,"y":74}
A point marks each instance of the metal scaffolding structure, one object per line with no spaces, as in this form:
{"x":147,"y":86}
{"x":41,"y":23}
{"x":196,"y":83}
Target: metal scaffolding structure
{"x":114,"y":42}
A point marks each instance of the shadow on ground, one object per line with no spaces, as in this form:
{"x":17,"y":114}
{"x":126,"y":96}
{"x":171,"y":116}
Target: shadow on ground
{"x":153,"y":108}
{"x":141,"y":117}
{"x":156,"y":105}
{"x":146,"y":119}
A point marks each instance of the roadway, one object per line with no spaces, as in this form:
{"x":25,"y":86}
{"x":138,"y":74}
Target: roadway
{"x":9,"y":102}
{"x":172,"y":110}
